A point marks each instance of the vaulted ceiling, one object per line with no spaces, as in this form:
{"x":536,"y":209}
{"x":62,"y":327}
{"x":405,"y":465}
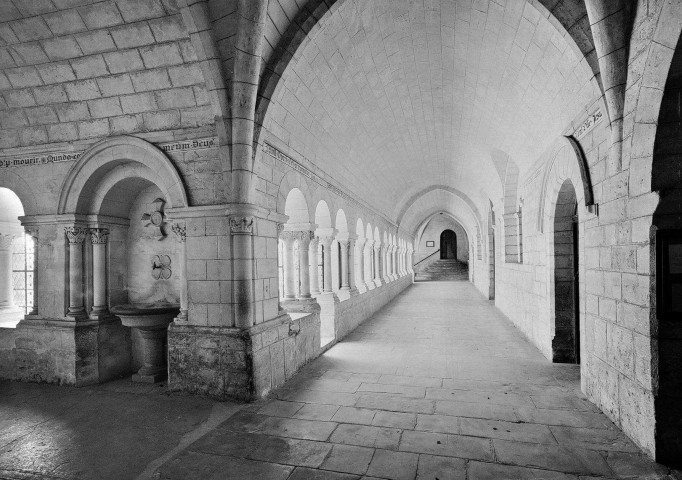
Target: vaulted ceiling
{"x":390,"y":97}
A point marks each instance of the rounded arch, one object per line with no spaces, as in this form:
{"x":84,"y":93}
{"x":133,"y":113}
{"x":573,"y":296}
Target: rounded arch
{"x":565,"y":325}
{"x":20,"y":187}
{"x":359,"y":228}
{"x":566,"y":161}
{"x":323,"y":217}
{"x":368,"y":233}
{"x":133,"y":153}
{"x":457,"y":193}
{"x":341,"y":224}
{"x":296,"y":207}
{"x":290,"y":181}
{"x":315,"y":12}
{"x":11,"y":207}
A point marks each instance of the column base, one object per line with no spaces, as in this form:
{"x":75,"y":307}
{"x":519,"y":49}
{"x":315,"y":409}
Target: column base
{"x":305,"y":305}
{"x":244,"y":364}
{"x":378,"y":282}
{"x":369,"y":285}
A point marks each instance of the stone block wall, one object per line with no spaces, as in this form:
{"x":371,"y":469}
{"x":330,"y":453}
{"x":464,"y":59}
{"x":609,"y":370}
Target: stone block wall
{"x":352,"y":312}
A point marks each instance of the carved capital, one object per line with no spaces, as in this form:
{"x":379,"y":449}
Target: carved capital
{"x":6,"y":241}
{"x":302,"y":236}
{"x":32,"y":231}
{"x":75,"y":234}
{"x":326,"y":241}
{"x":241,"y":225}
{"x":99,"y":236}
{"x":180,"y":230}
{"x":280,"y":228}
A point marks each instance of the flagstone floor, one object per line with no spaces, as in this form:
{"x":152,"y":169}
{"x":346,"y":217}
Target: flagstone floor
{"x":436,"y":386}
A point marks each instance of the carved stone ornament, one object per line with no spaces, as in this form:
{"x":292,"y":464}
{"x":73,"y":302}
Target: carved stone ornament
{"x":99,"y":236}
{"x":6,"y":241}
{"x":180,"y":230}
{"x":156,"y":219}
{"x":299,"y":235}
{"x":32,"y":231}
{"x":75,"y":234}
{"x":161,"y":267}
{"x":241,"y":225}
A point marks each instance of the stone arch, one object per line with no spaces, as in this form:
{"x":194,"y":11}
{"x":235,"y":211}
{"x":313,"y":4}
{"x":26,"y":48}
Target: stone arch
{"x":289,"y":182}
{"x":563,"y":170}
{"x":666,"y":194}
{"x":566,"y":158}
{"x":570,"y":20}
{"x":136,"y":156}
{"x":340,"y":222}
{"x":566,"y":325}
{"x":323,"y":217}
{"x":296,"y":206}
{"x":21,"y":189}
{"x":461,"y":195}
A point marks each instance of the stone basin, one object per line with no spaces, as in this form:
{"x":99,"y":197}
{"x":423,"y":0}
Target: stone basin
{"x":152,"y":321}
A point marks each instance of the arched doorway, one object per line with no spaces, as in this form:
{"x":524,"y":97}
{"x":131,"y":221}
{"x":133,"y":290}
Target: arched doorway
{"x":448,"y":245}
{"x":667,"y":221}
{"x":566,"y":341}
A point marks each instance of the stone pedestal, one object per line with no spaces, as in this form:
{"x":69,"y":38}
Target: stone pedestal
{"x":154,"y":368}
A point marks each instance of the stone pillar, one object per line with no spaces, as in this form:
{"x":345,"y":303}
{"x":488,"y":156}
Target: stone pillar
{"x":75,"y":235}
{"x":327,"y":244}
{"x":360,"y":274}
{"x":99,"y":237}
{"x":377,"y":264}
{"x":369,"y":266}
{"x":344,"y":243}
{"x":394,"y":261}
{"x":288,"y":265}
{"x":33,"y":232}
{"x":314,"y":273}
{"x":384,"y":263}
{"x":6,"y":287}
{"x":180,"y":230}
{"x":304,"y":239}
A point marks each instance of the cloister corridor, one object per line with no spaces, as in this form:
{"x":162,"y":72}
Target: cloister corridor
{"x":437,"y":385}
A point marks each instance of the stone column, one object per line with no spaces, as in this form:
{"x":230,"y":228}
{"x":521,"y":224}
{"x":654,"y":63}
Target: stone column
{"x":99,"y":237}
{"x":33,"y":232}
{"x":369,"y":266}
{"x":180,"y":230}
{"x":314,"y":273}
{"x":304,"y":239}
{"x":394,"y":261}
{"x":384,"y":263}
{"x":352,"y":284}
{"x":344,"y":243}
{"x":377,"y":264}
{"x":75,"y":235}
{"x":288,"y":265}
{"x":360,"y":274}
{"x":6,"y":288}
{"x":327,"y":244}
{"x":241,"y":228}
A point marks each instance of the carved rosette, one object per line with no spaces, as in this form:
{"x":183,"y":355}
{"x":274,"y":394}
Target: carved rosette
{"x":180,"y":230}
{"x":6,"y":241}
{"x":99,"y":236}
{"x":241,"y":225}
{"x":75,"y":234}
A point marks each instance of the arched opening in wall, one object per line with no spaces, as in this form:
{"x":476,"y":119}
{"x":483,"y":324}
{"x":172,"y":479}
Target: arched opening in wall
{"x":448,"y":245}
{"x":491,"y":253}
{"x":667,"y":240}
{"x":293,"y":239}
{"x":566,"y":340}
{"x":17,"y":266}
